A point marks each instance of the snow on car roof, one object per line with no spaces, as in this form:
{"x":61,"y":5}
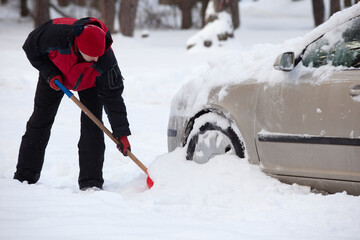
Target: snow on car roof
{"x":336,"y":19}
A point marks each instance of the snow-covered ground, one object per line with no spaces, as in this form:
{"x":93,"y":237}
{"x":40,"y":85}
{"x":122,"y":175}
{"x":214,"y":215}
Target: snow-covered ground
{"x":224,"y":199}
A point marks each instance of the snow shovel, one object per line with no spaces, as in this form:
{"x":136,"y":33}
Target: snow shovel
{"x":149,"y":181}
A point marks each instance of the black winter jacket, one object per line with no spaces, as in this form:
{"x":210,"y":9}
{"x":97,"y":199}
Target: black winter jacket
{"x":50,"y":49}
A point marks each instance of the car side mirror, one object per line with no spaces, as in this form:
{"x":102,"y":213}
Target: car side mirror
{"x":285,"y":62}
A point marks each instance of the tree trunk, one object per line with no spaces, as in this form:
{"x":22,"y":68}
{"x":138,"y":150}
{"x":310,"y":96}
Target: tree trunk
{"x":230,"y":6}
{"x":81,"y":3}
{"x":63,"y":3}
{"x":318,"y":11}
{"x":186,"y":21}
{"x":186,"y":7}
{"x":97,"y":4}
{"x":235,"y":13}
{"x":24,"y":10}
{"x":41,"y":12}
{"x":334,"y":6}
{"x":347,"y":3}
{"x":127,"y":16}
{"x":108,"y":13}
{"x":203,"y":11}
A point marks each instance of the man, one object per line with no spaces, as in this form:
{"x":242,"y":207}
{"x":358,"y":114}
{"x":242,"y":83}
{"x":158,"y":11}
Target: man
{"x":77,"y":53}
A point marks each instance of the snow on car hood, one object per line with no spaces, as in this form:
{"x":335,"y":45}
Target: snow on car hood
{"x":255,"y":64}
{"x":234,"y":68}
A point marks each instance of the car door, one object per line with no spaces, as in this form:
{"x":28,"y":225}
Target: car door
{"x":308,"y":124}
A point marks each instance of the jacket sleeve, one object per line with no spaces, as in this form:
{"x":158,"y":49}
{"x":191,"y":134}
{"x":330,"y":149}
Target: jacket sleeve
{"x":36,"y":49}
{"x":110,"y":88}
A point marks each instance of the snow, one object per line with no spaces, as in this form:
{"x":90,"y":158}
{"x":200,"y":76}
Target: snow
{"x":227,"y":198}
{"x":221,"y":26}
{"x":275,"y":134}
{"x":255,"y":63}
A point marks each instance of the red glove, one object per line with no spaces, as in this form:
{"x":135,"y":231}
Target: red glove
{"x":52,"y":82}
{"x":124,"y":145}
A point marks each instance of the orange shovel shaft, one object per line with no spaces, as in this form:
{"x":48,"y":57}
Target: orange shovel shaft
{"x":100,"y":124}
{"x":107,"y":131}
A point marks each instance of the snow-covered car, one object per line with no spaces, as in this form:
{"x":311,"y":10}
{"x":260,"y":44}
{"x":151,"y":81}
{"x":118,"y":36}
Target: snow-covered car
{"x":297,"y":118}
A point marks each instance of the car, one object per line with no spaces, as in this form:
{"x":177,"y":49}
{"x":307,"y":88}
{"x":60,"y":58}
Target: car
{"x":300,"y":123}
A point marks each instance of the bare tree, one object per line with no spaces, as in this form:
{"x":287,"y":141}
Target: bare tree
{"x":318,"y":11}
{"x":127,"y":16}
{"x":186,"y":7}
{"x":334,"y":6}
{"x":63,"y":3}
{"x":203,"y":10}
{"x":108,"y":13}
{"x":41,"y":12}
{"x":347,"y":3}
{"x":230,"y":6}
{"x":235,"y":13}
{"x":80,"y":2}
{"x":24,"y":10}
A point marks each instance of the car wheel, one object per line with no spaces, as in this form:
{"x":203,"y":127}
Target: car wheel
{"x":210,"y":140}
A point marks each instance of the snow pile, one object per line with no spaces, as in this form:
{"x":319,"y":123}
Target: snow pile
{"x":239,"y":193}
{"x":229,"y":183}
{"x":210,"y":34}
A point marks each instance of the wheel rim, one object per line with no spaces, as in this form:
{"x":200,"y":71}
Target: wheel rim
{"x":211,"y":143}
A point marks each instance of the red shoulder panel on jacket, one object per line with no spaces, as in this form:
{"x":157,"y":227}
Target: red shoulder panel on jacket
{"x":67,"y":21}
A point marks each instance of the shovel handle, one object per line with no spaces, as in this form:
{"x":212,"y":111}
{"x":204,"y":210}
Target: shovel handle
{"x":98,"y":123}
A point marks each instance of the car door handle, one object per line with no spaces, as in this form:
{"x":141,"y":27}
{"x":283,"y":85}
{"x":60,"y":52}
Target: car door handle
{"x":355,"y":91}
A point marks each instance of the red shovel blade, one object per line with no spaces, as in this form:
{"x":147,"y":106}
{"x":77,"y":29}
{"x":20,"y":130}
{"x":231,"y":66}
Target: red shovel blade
{"x":149,"y":182}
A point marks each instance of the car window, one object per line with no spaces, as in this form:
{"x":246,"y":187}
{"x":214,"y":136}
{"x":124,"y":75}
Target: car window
{"x":339,"y":47}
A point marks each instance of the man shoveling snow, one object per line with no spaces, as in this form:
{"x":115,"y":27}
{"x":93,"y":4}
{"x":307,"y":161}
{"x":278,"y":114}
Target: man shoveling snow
{"x":78,"y":54}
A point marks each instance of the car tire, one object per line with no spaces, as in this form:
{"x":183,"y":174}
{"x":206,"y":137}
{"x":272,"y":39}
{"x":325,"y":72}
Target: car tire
{"x":210,"y":140}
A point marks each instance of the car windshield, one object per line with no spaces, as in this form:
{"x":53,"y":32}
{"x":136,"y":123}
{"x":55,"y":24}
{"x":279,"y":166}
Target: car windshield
{"x":339,"y":47}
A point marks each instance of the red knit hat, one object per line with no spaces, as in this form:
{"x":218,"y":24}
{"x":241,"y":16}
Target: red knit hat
{"x":91,"y":41}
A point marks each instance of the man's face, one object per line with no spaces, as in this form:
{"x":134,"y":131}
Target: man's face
{"x":89,"y":58}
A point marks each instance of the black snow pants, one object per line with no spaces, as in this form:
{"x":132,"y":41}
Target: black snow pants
{"x":91,"y":144}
